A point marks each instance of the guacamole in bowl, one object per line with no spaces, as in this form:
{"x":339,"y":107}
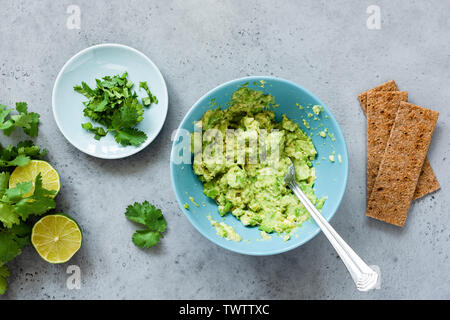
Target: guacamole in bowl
{"x":254,"y":191}
{"x":230,"y":156}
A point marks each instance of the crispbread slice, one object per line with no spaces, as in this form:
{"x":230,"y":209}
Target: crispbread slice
{"x":387,"y":86}
{"x":427,"y":181}
{"x":402,"y":163}
{"x":382,"y":107}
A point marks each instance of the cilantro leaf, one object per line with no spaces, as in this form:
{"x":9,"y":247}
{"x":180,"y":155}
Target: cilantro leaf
{"x":9,"y":248}
{"x":37,"y":207}
{"x":28,"y":121}
{"x":19,"y":155}
{"x":4,"y":112}
{"x":152,"y":218}
{"x":130,"y":136}
{"x":22,"y":234}
{"x":4,"y":273}
{"x":125,"y":117}
{"x":148,"y":215}
{"x":19,"y":161}
{"x":12,"y":241}
{"x":14,"y":204}
{"x":8,"y":216}
{"x":15,"y":194}
{"x":22,"y":107}
{"x":39,"y":190}
{"x":29,"y":149}
{"x":146,"y":238}
{"x":32,"y":131}
{"x":39,"y":203}
{"x":4,"y":179}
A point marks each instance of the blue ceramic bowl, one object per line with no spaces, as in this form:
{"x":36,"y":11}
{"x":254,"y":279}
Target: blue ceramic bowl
{"x":331,"y":176}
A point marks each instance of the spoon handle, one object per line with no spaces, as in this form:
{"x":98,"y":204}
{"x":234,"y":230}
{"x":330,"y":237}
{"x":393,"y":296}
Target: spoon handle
{"x":364,"y":277}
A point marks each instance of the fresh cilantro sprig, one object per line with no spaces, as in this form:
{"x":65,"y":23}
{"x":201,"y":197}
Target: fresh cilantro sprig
{"x":12,"y":242}
{"x":114,"y":105}
{"x":16,"y":205}
{"x":15,"y":209}
{"x":152,"y":218}
{"x":12,"y":156}
{"x":28,"y":121}
{"x":4,"y":274}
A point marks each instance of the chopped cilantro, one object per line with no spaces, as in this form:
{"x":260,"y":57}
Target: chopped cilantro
{"x":114,"y":105}
{"x":151,"y":98}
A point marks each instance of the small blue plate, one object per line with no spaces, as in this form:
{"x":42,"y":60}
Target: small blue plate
{"x":95,"y":63}
{"x":296,"y":102}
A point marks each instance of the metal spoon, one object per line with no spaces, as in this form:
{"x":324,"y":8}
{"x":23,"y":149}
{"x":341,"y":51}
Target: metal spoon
{"x":364,"y":277}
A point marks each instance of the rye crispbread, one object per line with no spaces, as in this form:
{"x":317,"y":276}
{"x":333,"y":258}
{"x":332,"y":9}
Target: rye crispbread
{"x":382,"y":107}
{"x":402,"y":163}
{"x":387,"y":86}
{"x":427,"y":182}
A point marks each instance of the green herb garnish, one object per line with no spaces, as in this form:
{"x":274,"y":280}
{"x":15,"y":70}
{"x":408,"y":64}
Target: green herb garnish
{"x":12,"y":242}
{"x":15,"y":207}
{"x":28,"y":121}
{"x":114,"y":105}
{"x":20,"y":155}
{"x":152,"y":218}
{"x":151,"y":98}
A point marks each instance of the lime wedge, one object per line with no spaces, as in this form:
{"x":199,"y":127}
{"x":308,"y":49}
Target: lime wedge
{"x":50,"y":177}
{"x":56,"y":238}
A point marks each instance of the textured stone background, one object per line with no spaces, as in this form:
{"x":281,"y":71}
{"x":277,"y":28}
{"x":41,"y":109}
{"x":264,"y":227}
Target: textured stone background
{"x":324,"y":46}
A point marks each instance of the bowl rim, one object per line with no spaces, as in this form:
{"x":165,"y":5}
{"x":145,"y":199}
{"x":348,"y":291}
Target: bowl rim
{"x":110,"y":45}
{"x":338,"y":135}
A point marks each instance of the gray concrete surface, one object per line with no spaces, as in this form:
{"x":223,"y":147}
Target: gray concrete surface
{"x":324,"y":46}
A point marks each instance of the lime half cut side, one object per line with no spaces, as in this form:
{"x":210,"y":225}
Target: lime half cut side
{"x":56,"y":238}
{"x":50,"y":177}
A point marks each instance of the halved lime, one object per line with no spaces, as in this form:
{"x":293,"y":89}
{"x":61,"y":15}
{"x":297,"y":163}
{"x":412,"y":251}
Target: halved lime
{"x":56,"y":238}
{"x":50,"y":177}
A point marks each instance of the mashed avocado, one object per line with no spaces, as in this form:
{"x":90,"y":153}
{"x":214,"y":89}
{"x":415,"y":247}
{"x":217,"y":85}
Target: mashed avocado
{"x":250,"y":183}
{"x":225,"y":230}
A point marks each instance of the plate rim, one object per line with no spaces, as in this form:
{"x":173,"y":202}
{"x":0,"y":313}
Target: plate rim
{"x":112,"y":45}
{"x":186,"y":213}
